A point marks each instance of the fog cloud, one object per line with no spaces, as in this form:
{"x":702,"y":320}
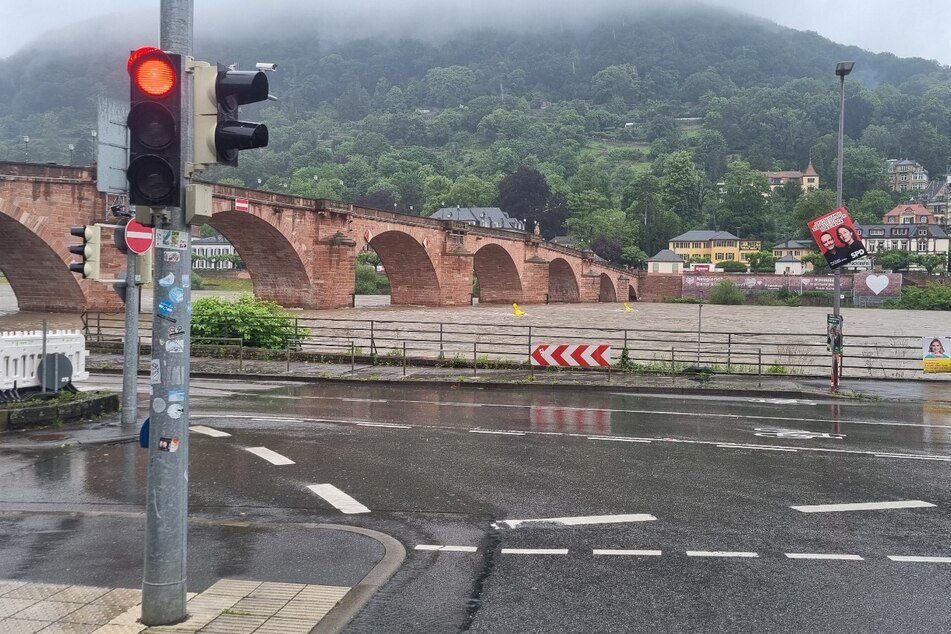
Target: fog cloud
{"x":869,"y":24}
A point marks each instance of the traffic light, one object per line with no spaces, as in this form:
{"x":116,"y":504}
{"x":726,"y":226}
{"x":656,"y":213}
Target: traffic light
{"x":89,"y":251}
{"x":155,"y":115}
{"x":219,"y":135}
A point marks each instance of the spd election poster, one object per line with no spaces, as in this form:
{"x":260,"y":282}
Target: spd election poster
{"x":837,"y":238}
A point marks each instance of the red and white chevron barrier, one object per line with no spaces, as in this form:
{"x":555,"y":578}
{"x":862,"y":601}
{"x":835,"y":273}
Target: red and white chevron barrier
{"x":582,"y":355}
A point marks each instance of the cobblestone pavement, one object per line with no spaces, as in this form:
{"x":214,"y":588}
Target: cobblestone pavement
{"x":227,"y":606}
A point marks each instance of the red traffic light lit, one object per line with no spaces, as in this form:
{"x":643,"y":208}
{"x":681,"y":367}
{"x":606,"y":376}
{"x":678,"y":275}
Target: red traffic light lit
{"x":152,"y":71}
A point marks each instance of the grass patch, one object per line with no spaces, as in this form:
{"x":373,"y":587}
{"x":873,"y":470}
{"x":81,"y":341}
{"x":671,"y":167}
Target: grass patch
{"x":212,"y":282}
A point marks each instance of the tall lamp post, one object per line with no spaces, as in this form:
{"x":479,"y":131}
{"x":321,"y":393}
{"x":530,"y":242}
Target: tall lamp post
{"x":841,"y":70}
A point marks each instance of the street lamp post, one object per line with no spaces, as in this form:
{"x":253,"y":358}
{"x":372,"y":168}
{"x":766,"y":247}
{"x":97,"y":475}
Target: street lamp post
{"x":841,"y":70}
{"x":70,"y":149}
{"x":26,"y":148}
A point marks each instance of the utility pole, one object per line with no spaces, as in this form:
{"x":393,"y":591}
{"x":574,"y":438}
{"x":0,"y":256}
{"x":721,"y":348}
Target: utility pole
{"x":841,"y":70}
{"x":166,"y":526}
{"x":130,"y":351}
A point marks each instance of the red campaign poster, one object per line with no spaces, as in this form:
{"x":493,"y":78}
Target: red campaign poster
{"x":837,"y":238}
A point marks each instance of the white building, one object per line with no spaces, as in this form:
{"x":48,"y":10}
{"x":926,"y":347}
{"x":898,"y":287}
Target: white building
{"x":210,"y":248}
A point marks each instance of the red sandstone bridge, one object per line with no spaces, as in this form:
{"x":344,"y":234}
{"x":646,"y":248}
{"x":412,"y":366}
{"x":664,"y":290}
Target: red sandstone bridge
{"x":300,"y":252}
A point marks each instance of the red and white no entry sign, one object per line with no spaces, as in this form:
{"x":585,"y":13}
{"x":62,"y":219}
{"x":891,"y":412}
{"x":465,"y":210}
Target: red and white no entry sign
{"x":242,"y":204}
{"x":138,"y":237}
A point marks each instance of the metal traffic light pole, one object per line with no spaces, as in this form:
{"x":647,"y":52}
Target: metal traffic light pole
{"x":164,"y":582}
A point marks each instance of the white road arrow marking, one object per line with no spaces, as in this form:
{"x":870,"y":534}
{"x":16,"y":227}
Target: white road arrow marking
{"x":271,"y":456}
{"x":337,"y":498}
{"x":578,"y":521}
{"x":862,"y":506}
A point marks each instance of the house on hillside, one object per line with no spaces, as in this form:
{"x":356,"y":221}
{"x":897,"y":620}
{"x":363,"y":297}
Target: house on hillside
{"x":213,"y":253}
{"x":935,"y":198}
{"x":665,"y":261}
{"x":795,"y":249}
{"x":909,"y":215}
{"x":719,"y":246}
{"x":916,"y":238}
{"x":906,"y":175}
{"x":491,"y":217}
{"x":789,"y":265}
{"x":808,"y":179}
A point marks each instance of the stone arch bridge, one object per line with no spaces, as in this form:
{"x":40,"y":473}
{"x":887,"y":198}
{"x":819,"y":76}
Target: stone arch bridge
{"x":300,"y":252}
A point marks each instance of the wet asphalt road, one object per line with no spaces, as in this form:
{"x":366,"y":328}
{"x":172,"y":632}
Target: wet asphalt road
{"x":718,"y":474}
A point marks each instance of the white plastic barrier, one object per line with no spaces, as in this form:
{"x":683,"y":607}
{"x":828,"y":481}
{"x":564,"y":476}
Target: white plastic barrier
{"x":22,"y":351}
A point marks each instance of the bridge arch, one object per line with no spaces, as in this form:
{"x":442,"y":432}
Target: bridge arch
{"x":413,"y":279}
{"x":607,"y":293}
{"x":40,"y":279}
{"x":562,"y":283}
{"x":499,"y":282}
{"x":277,"y":272}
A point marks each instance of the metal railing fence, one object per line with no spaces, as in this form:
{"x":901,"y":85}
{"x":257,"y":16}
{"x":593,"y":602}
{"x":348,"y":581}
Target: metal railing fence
{"x":648,"y":349}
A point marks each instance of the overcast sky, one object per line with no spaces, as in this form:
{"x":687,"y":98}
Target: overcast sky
{"x":918,"y":29}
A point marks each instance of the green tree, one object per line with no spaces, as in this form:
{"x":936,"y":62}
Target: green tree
{"x":745,"y":202}
{"x":818,"y":262}
{"x":932,"y":262}
{"x":471,"y":191}
{"x":619,"y":81}
{"x":894,"y":259}
{"x":810,"y":205}
{"x":874,"y":204}
{"x":726,"y":292}
{"x":762,"y":262}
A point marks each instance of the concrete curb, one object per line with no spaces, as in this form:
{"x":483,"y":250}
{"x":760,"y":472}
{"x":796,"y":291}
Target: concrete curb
{"x":565,"y":386}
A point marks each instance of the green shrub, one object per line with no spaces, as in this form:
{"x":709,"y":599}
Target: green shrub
{"x":931,"y":297}
{"x":369,"y":282}
{"x":731,"y":266}
{"x":258,"y":323}
{"x":726,"y":292}
{"x":197,"y":281}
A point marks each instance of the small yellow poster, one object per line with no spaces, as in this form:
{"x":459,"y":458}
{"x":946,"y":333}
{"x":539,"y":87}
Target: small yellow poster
{"x":936,"y":354}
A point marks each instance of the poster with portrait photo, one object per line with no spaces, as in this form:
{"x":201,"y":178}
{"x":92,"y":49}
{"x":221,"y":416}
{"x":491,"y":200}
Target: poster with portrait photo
{"x":936,"y":353}
{"x":837,"y":237}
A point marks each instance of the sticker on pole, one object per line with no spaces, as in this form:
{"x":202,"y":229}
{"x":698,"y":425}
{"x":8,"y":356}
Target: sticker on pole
{"x":138,"y":237}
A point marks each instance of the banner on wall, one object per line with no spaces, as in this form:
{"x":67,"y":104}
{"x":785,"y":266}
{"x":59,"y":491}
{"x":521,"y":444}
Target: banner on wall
{"x":936,"y":354}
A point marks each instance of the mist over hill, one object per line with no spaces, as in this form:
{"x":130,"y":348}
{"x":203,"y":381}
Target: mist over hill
{"x":411,"y":114}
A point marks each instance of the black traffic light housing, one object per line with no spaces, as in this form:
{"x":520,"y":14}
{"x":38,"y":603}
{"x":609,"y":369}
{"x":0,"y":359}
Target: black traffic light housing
{"x":219,"y":133}
{"x":155,"y":131}
{"x":90,"y":251}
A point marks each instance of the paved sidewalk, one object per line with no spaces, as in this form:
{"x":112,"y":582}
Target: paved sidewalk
{"x":229,"y":606}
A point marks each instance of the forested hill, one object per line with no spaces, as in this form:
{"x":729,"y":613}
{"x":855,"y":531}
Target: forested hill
{"x":418,"y":123}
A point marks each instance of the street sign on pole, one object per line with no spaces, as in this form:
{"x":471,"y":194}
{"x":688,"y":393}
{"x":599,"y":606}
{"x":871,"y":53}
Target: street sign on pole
{"x":138,"y":237}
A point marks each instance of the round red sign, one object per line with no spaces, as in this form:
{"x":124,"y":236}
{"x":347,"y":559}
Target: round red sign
{"x":138,"y":237}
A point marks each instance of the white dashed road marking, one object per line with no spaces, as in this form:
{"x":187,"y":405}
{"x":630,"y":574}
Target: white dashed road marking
{"x":208,"y":431}
{"x":534,"y":551}
{"x":631,"y":553}
{"x":449,"y":549}
{"x":578,"y":521}
{"x":906,"y":457}
{"x":756,"y":447}
{"x":619,"y":439}
{"x":271,"y":456}
{"x":387,"y":425}
{"x":920,"y":559}
{"x":720,"y":553}
{"x":496,"y":432}
{"x":334,"y":496}
{"x":823,"y":556}
{"x":862,"y":506}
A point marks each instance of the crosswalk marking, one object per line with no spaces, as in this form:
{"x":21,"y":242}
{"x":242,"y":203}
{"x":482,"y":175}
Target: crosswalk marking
{"x":208,"y":431}
{"x":271,"y":456}
{"x":337,"y":498}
